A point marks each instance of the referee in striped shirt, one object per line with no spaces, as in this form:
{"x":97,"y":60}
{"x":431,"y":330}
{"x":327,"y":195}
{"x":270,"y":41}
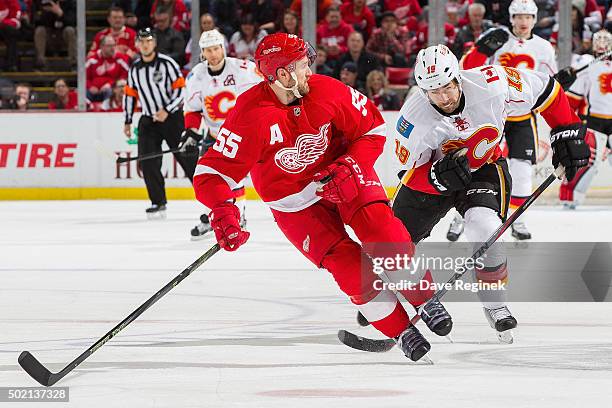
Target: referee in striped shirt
{"x":156,"y":81}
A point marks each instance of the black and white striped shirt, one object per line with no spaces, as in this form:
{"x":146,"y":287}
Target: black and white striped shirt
{"x":157,"y":84}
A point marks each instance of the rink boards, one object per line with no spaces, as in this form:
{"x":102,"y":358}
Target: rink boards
{"x":72,"y":156}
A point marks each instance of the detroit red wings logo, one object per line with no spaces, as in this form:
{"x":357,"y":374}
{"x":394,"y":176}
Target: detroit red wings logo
{"x":509,"y":59}
{"x":605,"y":83}
{"x":308,"y":148}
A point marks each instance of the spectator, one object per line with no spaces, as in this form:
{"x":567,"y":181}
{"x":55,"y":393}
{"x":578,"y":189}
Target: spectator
{"x":470,"y":32}
{"x":365,"y":61}
{"x":581,"y":33}
{"x":333,"y":34}
{"x":64,"y":98}
{"x":545,"y":19}
{"x":378,"y":91}
{"x":104,"y":68}
{"x":497,"y":11}
{"x":125,"y":37}
{"x":55,"y":23}
{"x":422,"y":31}
{"x":10,"y":22}
{"x":322,"y":7}
{"x":359,"y":16}
{"x":265,"y":12}
{"x":388,"y":43}
{"x":244,"y":42}
{"x":225,"y":12}
{"x":590,"y":11}
{"x":20,"y":100}
{"x":131,"y":20}
{"x":348,"y":76}
{"x":290,"y":23}
{"x":178,"y":12}
{"x":115,"y":102}
{"x":403,"y":9}
{"x":321,"y":62}
{"x":169,"y":41}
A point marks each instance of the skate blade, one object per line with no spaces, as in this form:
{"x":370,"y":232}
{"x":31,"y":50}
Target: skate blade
{"x":425,"y":360}
{"x":505,"y":337}
{"x":160,"y":215}
{"x":200,"y":237}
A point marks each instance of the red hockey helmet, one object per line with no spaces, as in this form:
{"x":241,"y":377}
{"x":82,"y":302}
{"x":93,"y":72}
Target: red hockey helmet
{"x":281,"y":50}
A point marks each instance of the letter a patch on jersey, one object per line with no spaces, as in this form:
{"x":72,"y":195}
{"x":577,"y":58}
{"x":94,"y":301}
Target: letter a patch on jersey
{"x":404,"y":127}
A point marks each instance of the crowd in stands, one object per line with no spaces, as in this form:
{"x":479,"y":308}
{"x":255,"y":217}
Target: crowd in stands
{"x":367,"y":44}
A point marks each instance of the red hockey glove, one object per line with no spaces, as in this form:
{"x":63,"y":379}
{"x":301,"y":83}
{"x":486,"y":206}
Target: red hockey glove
{"x":342,"y":179}
{"x":225,"y":220}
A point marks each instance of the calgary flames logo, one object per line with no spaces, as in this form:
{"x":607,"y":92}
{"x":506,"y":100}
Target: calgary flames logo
{"x":213,"y":105}
{"x":605,"y":83}
{"x":481,"y":145}
{"x":509,"y":59}
{"x":308,"y":148}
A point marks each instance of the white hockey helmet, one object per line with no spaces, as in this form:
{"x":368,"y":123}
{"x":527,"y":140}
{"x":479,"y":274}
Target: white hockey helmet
{"x":435,"y":67}
{"x":211,"y":38}
{"x":523,"y":7}
{"x":602,"y":42}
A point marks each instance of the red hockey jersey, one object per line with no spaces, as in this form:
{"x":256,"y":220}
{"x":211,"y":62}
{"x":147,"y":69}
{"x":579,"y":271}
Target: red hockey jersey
{"x":283,"y":146}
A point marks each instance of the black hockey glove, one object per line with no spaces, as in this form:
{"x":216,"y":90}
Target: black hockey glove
{"x":451,"y":173}
{"x":492,"y":40}
{"x":569,"y":148}
{"x":565,"y":77}
{"x":189,"y":142}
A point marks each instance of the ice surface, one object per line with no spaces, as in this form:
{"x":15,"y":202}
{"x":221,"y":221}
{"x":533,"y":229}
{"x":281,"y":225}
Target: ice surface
{"x":257,"y":328}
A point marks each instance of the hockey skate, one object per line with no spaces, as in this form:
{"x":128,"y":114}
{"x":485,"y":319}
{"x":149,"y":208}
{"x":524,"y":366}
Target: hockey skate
{"x":435,"y":316}
{"x":199,"y":231}
{"x":502,"y":321}
{"x":156,"y":212}
{"x":455,"y":229}
{"x":519,"y":231}
{"x":413,"y":344}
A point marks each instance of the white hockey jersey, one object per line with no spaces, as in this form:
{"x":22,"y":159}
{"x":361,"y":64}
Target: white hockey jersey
{"x":490,"y":94}
{"x":595,"y":84}
{"x":535,"y":53}
{"x":215,"y":95}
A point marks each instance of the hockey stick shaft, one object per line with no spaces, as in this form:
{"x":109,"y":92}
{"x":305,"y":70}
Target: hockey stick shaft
{"x":601,"y":57}
{"x":147,"y":156}
{"x":37,"y":371}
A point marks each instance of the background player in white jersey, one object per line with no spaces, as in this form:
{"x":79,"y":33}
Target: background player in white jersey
{"x":593,"y":86}
{"x":447,"y":142}
{"x":212,"y":89}
{"x":518,"y":49}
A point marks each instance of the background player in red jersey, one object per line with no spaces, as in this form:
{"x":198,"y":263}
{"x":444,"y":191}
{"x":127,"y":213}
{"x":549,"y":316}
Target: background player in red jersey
{"x":310,"y":143}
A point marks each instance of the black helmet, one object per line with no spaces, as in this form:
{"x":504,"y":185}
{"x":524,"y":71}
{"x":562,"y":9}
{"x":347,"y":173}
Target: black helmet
{"x":145,"y":34}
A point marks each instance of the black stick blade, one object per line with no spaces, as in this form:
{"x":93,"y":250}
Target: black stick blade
{"x":122,"y":159}
{"x":365,"y":344}
{"x":36,"y":370}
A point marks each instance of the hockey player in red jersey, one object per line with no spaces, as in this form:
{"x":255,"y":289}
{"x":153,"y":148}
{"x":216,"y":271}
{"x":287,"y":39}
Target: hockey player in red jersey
{"x":310,"y":143}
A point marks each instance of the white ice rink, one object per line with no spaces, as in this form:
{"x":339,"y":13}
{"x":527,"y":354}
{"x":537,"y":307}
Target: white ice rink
{"x":257,"y":328}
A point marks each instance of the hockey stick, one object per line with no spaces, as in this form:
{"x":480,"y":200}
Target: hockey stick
{"x":147,"y":156}
{"x":45,"y":377}
{"x":600,"y":58}
{"x":382,"y":345}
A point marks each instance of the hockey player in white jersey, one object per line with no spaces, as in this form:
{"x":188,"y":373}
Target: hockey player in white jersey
{"x":592,"y":88}
{"x":519,"y":48}
{"x":447,"y":143}
{"x":212,"y":88}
